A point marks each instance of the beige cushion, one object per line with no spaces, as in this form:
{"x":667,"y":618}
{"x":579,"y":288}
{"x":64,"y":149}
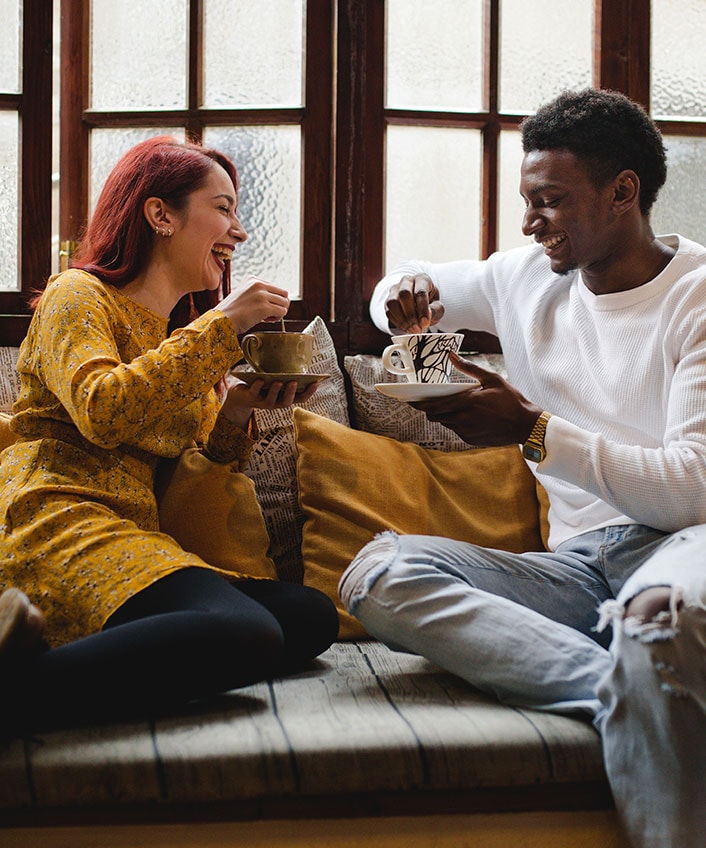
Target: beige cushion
{"x":272,"y":465}
{"x":353,"y":485}
{"x":9,"y":378}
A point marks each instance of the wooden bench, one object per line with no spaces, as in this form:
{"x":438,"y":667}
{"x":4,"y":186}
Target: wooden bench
{"x":367,"y":747}
{"x":368,"y":744}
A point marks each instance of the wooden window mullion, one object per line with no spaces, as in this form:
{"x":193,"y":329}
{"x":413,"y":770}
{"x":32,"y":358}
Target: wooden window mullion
{"x":359,"y":189}
{"x":74,"y":132}
{"x":491,"y":132}
{"x":622,"y":47}
{"x":35,"y":162}
{"x":317,"y":174}
{"x":193,"y":123}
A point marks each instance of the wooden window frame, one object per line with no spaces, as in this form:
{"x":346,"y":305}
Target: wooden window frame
{"x":315,"y":119}
{"x":621,"y":62}
{"x":34,"y":107}
{"x":343,"y":123}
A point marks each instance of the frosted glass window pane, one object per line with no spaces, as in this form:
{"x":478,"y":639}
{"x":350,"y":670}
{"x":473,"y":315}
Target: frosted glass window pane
{"x":268,"y":159}
{"x":681,"y":204}
{"x":434,"y":55}
{"x":432,"y":194}
{"x":9,"y":202}
{"x":511,"y":206}
{"x":107,"y":146}
{"x":257,"y":58}
{"x":678,"y":84}
{"x":10,"y":15}
{"x":560,"y":33}
{"x":138,"y":54}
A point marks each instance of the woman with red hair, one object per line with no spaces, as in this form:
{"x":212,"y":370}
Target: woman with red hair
{"x":117,"y":372}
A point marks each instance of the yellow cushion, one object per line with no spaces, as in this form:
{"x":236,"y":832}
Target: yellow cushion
{"x":353,"y":485}
{"x":7,"y":437}
{"x":212,"y":511}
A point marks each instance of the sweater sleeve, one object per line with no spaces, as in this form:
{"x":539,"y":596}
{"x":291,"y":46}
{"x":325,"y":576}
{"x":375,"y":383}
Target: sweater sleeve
{"x":468,"y":289}
{"x":113,"y":402}
{"x":662,"y":486}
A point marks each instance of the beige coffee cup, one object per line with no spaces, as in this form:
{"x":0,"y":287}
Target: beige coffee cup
{"x":278,"y":353}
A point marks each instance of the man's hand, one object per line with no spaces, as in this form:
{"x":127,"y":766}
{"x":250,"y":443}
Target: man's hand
{"x":488,"y":414}
{"x":412,"y":305}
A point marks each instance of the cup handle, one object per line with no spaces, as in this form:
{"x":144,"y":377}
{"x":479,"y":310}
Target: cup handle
{"x":248,"y":345}
{"x":407,"y":369}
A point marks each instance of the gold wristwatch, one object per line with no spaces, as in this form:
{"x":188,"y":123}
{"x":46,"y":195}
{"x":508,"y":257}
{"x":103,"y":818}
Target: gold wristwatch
{"x":533,"y":448}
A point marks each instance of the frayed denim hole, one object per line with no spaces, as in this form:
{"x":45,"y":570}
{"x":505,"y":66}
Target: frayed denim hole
{"x":369,"y":564}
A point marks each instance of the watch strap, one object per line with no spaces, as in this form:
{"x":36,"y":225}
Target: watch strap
{"x":534,"y":447}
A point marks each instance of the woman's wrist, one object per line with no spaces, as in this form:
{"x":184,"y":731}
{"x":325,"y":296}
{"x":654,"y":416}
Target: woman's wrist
{"x":238,"y":415}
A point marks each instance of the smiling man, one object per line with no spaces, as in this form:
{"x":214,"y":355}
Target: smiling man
{"x":603,"y":328}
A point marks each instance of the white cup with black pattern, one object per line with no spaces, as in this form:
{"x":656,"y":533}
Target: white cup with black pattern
{"x":422,"y":357}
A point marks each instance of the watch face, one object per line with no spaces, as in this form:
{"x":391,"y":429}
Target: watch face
{"x":531,"y":453}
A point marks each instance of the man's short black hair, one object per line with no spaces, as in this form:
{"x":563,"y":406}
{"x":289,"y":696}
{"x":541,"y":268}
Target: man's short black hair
{"x":607,"y":130}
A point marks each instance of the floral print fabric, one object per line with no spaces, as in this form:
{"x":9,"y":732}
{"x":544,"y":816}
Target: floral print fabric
{"x":104,"y":395}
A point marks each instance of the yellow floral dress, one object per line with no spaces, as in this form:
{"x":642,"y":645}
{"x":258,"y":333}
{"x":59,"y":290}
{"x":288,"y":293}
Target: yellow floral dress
{"x":104,"y":395}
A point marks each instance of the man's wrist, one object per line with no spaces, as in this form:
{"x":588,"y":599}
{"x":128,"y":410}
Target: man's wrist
{"x":534,"y":448}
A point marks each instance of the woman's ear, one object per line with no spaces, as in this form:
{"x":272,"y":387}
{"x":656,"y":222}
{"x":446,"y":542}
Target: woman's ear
{"x":626,"y":191}
{"x":158,"y":215}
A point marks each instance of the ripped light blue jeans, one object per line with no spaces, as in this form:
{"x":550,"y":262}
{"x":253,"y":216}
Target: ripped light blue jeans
{"x":531,"y":630}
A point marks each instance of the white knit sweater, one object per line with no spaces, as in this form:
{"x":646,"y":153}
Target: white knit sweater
{"x":624,"y":376}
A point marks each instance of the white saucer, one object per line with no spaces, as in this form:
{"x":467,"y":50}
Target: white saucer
{"x":302,"y":380}
{"x":411,"y":392}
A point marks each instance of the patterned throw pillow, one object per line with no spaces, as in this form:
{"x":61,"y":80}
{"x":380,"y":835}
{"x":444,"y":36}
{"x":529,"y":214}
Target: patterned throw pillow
{"x":272,"y":465}
{"x":9,"y":378}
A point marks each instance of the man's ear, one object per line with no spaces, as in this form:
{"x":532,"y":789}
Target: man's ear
{"x":626,"y":191}
{"x":156,"y":213}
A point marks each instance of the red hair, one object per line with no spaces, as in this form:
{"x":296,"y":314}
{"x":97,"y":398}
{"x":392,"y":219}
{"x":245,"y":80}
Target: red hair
{"x":117,"y":243}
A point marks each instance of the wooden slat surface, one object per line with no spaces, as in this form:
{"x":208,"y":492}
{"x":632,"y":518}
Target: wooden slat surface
{"x":238,"y":751}
{"x":469,"y":740}
{"x":14,"y":786}
{"x":98,"y":765}
{"x":363,"y":720}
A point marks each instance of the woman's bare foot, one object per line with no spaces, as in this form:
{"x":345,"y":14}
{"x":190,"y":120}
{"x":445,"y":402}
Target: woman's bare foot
{"x":21,"y":623}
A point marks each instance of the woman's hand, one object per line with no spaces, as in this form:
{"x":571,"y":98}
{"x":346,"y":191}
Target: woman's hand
{"x":241,"y":399}
{"x":253,"y":302}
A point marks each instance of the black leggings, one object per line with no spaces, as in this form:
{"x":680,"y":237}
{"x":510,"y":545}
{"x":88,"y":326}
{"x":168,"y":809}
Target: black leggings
{"x":188,"y":636}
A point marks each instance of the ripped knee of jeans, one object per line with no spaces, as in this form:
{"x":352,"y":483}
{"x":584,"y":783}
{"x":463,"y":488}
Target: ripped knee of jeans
{"x":652,"y":615}
{"x":662,"y":623}
{"x":372,"y":561}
